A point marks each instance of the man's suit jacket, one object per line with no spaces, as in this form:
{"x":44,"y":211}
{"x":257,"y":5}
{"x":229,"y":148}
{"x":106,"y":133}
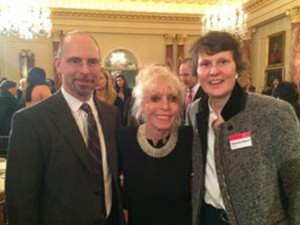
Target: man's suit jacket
{"x":49,"y":178}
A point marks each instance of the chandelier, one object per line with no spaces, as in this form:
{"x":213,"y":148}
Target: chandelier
{"x":26,"y":19}
{"x":226,"y":17}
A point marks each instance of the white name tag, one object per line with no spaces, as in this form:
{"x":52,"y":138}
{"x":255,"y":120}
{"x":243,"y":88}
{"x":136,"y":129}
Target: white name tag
{"x":241,"y":140}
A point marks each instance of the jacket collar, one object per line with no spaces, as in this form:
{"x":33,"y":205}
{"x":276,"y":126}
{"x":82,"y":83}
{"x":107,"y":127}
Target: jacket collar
{"x":236,"y":102}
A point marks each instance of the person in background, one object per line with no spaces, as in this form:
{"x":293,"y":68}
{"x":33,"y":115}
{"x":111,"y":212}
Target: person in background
{"x":267,"y":89}
{"x":190,"y":80}
{"x":155,"y":157}
{"x":124,"y":92}
{"x":246,"y":151}
{"x":62,"y":156}
{"x":36,"y":86}
{"x":21,"y":90}
{"x":52,"y":86}
{"x":246,"y":84}
{"x":287,"y":91}
{"x":275,"y":84}
{"x":8,"y":105}
{"x":105,"y":91}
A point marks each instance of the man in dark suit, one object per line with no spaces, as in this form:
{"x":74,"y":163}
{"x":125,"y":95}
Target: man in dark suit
{"x":52,"y":177}
{"x":193,"y":89}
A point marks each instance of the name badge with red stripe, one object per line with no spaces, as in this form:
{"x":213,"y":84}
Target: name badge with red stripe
{"x":240,"y":140}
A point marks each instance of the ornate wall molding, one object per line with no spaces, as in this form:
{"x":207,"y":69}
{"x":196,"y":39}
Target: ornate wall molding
{"x":294,"y":13}
{"x":79,"y":14}
{"x":56,"y":35}
{"x":181,"y":39}
{"x":198,"y":2}
{"x":254,"y":5}
{"x":169,"y":39}
{"x":261,"y":12}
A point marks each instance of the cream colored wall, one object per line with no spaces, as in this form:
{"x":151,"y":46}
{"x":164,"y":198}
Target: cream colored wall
{"x":148,"y":49}
{"x":189,"y":43}
{"x":9,"y":56}
{"x":259,"y":49}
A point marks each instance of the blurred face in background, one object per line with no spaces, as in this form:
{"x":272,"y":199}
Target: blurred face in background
{"x":102,"y":83}
{"x":13,"y":90}
{"x":186,"y":76}
{"x":120,"y":81}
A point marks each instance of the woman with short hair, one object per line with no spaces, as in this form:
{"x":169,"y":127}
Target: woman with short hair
{"x":246,"y":157}
{"x":155,"y":157}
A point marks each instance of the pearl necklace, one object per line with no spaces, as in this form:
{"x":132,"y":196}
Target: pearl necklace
{"x":156,"y":152}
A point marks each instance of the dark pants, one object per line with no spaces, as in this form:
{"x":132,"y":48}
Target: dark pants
{"x":213,"y":216}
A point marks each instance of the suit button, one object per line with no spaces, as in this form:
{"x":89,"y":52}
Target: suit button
{"x":96,"y":191}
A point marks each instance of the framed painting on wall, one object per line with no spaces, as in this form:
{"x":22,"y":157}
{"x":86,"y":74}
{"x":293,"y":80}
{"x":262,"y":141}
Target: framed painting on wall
{"x":276,"y":48}
{"x":274,"y":73}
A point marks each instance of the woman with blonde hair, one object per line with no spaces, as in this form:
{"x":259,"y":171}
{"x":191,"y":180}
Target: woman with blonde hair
{"x":155,"y":157}
{"x":105,"y":91}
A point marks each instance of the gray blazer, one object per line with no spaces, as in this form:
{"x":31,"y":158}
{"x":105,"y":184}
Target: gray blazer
{"x":49,"y":178}
{"x":260,"y":184}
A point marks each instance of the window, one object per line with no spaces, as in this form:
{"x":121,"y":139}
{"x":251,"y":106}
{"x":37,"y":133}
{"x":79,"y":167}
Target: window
{"x":122,"y":62}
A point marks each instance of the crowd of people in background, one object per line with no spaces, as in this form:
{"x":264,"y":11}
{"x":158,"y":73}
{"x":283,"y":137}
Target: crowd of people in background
{"x":200,"y":146}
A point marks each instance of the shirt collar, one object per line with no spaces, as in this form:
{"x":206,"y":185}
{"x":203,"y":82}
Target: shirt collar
{"x":194,"y":88}
{"x":73,"y":102}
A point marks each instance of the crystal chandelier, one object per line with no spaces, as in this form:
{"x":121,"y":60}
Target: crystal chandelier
{"x":24,"y":18}
{"x":226,"y":17}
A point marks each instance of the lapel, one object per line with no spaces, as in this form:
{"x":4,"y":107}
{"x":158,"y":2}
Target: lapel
{"x":62,"y":117}
{"x":202,"y":124}
{"x":200,"y":93}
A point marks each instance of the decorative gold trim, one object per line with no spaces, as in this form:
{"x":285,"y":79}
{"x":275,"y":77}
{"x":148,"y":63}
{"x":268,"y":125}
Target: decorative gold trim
{"x":197,"y":2}
{"x":181,"y":39}
{"x":56,"y":35}
{"x":156,"y":152}
{"x":169,"y":39}
{"x":294,"y":13}
{"x":253,"y":5}
{"x":79,"y":14}
{"x":280,"y":34}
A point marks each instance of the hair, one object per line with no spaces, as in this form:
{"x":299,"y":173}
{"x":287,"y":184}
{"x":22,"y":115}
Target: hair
{"x":111,"y":94}
{"x":36,"y":76}
{"x":64,"y":37}
{"x":149,"y":78}
{"x":5,"y":85}
{"x":214,"y":42}
{"x":189,"y":62}
{"x":186,"y":61}
{"x":125,"y":86}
